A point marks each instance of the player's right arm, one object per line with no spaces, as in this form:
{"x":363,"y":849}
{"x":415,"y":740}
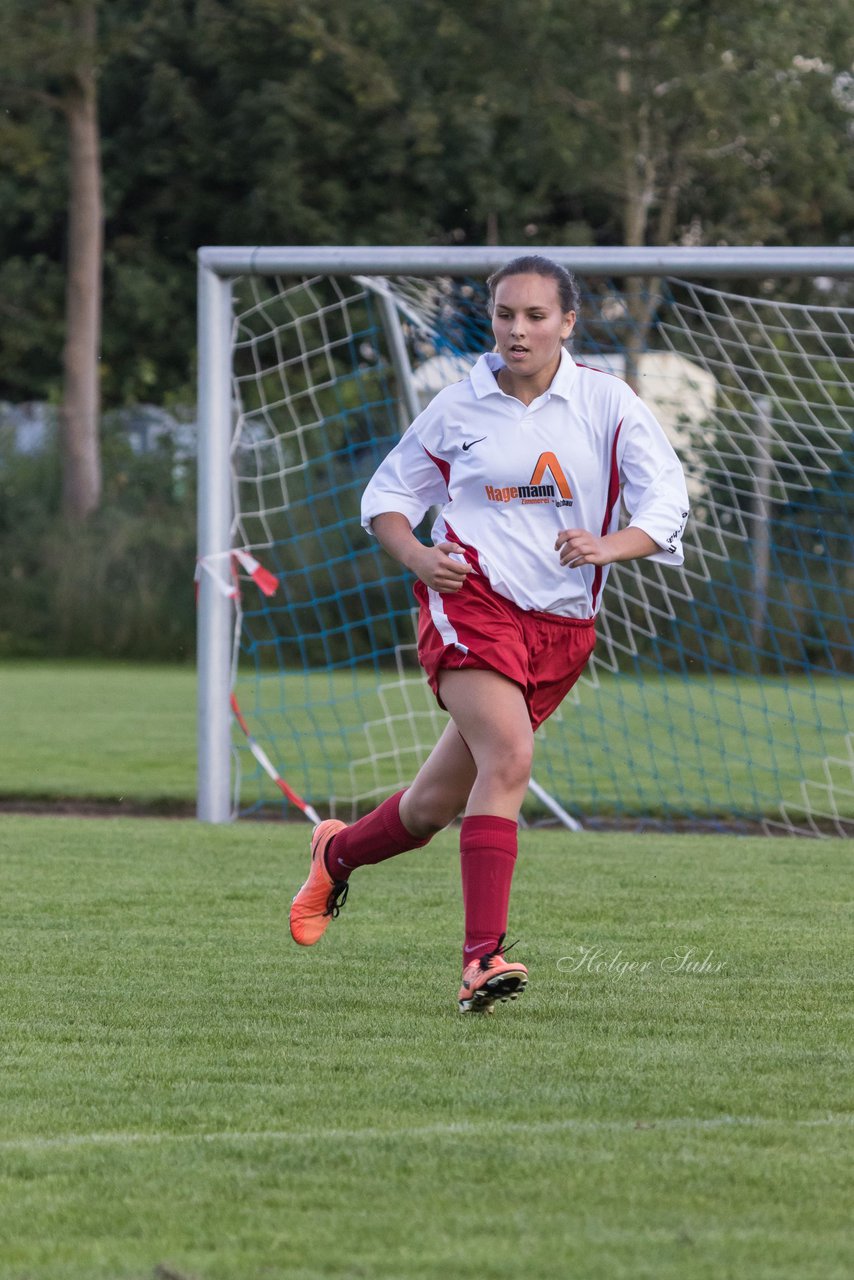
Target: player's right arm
{"x":410,"y":480}
{"x":433,"y":565}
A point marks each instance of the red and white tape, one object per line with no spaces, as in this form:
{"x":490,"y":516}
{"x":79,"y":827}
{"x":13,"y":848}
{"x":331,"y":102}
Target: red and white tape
{"x":265,"y":581}
{"x":269,"y":768}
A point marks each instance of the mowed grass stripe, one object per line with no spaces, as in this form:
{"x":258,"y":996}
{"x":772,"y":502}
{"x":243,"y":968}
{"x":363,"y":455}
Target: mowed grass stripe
{"x":184,"y":1088}
{"x":461,"y":1129}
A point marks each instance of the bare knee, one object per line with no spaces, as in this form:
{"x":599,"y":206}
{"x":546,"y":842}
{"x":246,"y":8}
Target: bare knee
{"x":427,"y":809}
{"x":509,"y":764}
{"x":431,"y":824}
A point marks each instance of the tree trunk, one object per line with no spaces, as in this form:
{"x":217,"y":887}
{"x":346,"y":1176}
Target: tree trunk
{"x":80,"y":411}
{"x":642,"y":301}
{"x":638,"y":182}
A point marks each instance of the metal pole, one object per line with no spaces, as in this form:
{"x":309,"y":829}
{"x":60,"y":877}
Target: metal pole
{"x":215,"y":610}
{"x":566,"y":819}
{"x":761,"y":523}
{"x":735,"y":262}
{"x":410,"y":407}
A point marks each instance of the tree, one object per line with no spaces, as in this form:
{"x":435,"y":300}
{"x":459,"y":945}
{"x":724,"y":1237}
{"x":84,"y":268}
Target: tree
{"x":80,"y":411}
{"x":403,"y":121}
{"x":52,"y":58}
{"x":696,"y":114}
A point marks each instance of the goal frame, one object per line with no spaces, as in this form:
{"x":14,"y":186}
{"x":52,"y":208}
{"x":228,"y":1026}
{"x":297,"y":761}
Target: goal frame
{"x":218,"y":266}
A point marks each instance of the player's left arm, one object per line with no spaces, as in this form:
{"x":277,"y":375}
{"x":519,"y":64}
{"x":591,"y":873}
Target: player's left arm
{"x":578,"y":546}
{"x":654,"y":494}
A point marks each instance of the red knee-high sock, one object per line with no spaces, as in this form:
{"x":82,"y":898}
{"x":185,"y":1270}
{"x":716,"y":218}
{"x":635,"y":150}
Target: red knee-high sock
{"x":379,"y":835}
{"x":488,"y":849}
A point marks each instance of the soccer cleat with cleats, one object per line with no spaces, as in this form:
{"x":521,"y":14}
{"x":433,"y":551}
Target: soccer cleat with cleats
{"x":321,"y":898}
{"x":489,"y":979}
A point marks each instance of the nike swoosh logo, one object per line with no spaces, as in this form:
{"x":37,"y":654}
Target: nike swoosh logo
{"x":469,"y":443}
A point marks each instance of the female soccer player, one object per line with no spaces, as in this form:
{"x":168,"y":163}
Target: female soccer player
{"x":527,"y":458}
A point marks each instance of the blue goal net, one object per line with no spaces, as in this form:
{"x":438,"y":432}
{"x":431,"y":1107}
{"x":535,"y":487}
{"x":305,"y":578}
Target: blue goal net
{"x":720,"y":693}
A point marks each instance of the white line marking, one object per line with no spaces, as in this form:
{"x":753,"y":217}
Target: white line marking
{"x":461,"y":1129}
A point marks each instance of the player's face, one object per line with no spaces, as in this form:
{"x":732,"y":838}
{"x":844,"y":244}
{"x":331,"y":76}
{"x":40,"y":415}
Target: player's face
{"x":530,"y":327}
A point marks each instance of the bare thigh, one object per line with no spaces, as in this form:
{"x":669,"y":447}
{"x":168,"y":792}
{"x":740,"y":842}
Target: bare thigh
{"x":441,"y":787}
{"x":492,"y":719}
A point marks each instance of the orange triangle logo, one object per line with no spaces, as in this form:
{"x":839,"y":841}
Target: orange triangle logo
{"x":548,"y":462}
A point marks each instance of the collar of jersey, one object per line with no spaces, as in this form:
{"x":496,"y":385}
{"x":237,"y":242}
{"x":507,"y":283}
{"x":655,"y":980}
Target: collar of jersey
{"x":484,"y":384}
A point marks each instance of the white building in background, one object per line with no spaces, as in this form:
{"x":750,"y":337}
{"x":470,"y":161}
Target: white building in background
{"x":680,"y":394}
{"x":27,"y":428}
{"x":439,"y":372}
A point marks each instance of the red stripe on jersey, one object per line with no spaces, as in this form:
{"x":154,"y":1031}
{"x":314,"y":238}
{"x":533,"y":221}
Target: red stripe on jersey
{"x":444,"y":467}
{"x":613,"y":499}
{"x":470,"y":553}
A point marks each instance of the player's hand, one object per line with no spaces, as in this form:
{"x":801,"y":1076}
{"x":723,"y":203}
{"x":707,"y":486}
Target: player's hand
{"x":438,"y":571}
{"x":578,"y":547}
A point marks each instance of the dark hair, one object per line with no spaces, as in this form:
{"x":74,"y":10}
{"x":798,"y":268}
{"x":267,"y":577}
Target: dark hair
{"x":534,"y":264}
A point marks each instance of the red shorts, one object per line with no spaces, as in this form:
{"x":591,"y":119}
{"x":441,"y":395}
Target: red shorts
{"x":475,"y":628}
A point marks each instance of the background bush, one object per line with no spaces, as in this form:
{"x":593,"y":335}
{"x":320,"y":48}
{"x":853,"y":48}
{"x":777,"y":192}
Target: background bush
{"x":122,"y":585}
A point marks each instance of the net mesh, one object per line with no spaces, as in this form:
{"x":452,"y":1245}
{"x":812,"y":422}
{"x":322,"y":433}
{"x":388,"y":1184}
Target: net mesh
{"x":719,"y":693}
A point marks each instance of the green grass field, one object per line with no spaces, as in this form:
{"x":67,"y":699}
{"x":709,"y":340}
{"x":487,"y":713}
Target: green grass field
{"x":188,"y":1094}
{"x":116,"y":732}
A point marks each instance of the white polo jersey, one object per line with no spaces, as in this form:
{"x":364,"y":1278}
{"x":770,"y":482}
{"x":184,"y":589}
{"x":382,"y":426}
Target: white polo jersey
{"x":508,"y":477}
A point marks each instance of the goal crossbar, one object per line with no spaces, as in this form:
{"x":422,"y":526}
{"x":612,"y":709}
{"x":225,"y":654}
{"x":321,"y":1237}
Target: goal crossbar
{"x":738,"y":261}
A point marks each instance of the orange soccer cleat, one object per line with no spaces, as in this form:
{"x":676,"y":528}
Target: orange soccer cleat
{"x":321,"y":898}
{"x":491,"y":978}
